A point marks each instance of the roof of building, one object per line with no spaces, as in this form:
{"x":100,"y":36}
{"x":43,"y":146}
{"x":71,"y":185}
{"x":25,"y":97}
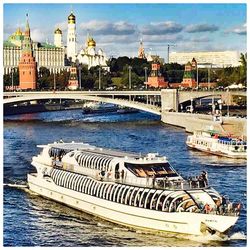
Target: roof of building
{"x":9,"y":44}
{"x":47,"y":45}
{"x":58,"y":31}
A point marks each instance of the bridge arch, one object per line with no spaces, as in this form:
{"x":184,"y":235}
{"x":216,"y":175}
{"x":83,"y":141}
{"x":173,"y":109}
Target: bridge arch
{"x":187,"y":96}
{"x":117,"y":101}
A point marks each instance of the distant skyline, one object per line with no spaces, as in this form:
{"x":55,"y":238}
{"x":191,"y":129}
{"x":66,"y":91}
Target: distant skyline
{"x":118,"y":28}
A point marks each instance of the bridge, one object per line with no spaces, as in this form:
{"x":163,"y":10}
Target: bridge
{"x":131,"y":99}
{"x":150,"y":101}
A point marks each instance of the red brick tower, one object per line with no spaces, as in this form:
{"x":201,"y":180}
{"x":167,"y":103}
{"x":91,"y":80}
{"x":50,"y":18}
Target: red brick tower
{"x":27,"y":64}
{"x":188,"y":77}
{"x":73,"y":81}
{"x":155,"y":79}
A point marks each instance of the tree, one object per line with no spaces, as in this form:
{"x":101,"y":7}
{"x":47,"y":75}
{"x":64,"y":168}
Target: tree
{"x":243,"y":68}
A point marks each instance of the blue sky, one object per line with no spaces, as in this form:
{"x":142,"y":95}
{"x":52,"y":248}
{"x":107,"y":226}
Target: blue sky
{"x":117,"y":28}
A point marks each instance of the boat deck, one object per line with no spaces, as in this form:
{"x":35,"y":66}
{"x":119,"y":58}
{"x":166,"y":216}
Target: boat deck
{"x":89,"y":148}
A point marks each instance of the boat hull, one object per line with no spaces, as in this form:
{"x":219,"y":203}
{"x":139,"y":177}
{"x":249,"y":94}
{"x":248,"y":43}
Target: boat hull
{"x":129,"y":216}
{"x":219,"y":153}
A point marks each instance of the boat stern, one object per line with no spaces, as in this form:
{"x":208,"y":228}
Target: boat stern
{"x":217,"y":224}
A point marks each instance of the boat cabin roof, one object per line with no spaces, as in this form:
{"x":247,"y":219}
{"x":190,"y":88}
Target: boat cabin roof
{"x":84,"y":147}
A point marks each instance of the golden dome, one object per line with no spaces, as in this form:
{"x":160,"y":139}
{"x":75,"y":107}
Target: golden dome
{"x":91,"y":42}
{"x":18,"y":32}
{"x":71,"y":18}
{"x":58,"y":31}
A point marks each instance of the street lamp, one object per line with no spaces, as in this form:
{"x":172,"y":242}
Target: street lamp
{"x":80,"y":77}
{"x":129,"y":76}
{"x":12,"y":80}
{"x":78,"y":65}
{"x":191,"y":108}
{"x":100,"y":76}
{"x":54,"y":81}
{"x":197,"y":75}
{"x":146,"y":77}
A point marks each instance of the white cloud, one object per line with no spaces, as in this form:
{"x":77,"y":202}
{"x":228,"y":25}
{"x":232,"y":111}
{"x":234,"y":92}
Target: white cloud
{"x":240,"y":30}
{"x":161,"y":28}
{"x":96,"y":27}
{"x":62,"y":26}
{"x":197,"y":28}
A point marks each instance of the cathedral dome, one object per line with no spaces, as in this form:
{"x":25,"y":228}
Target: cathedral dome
{"x":71,"y":18}
{"x":18,"y":32}
{"x":91,"y":42}
{"x":58,"y":31}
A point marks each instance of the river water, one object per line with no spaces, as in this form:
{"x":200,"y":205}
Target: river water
{"x":30,"y":220}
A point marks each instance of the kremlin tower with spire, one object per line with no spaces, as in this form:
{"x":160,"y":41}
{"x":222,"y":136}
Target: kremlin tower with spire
{"x":27,"y":64}
{"x":141,"y":52}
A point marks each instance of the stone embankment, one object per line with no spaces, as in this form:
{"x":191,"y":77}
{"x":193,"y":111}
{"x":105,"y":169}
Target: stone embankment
{"x":192,"y":122}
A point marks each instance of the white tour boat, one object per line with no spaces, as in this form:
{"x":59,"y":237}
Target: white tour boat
{"x":212,"y":142}
{"x":140,"y":192}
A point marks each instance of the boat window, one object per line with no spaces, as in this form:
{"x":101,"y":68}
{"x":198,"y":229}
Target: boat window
{"x":100,"y":163}
{"x":143,"y":198}
{"x":119,"y":195}
{"x":90,"y":184}
{"x":154,"y":199}
{"x":80,"y":182}
{"x":67,"y":180}
{"x":82,"y":185}
{"x":127,"y":198}
{"x":91,"y":165}
{"x":102,"y":188}
{"x":84,"y":158}
{"x":105,"y":164}
{"x":87,"y":164}
{"x":148,"y":198}
{"x":62,"y":178}
{"x":107,"y":194}
{"x":72,"y":180}
{"x":112,"y":192}
{"x":98,"y":189}
{"x":86,"y":185}
{"x":109,"y":167}
{"x":132,"y":196}
{"x":95,"y":162}
{"x":138,"y":197}
{"x":160,"y":201}
{"x":92,"y":191}
{"x":156,"y":169}
{"x":105,"y":191}
{"x":75,"y":182}
{"x":55,"y":176}
{"x":116,"y":191}
{"x":124,"y":193}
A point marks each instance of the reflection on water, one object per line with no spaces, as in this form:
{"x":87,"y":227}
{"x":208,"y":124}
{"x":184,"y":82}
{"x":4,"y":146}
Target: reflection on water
{"x":30,"y":220}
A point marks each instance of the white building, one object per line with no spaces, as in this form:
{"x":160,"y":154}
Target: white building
{"x":58,"y":38}
{"x":219,"y":59}
{"x":46,"y":55}
{"x":71,"y":37}
{"x":90,"y":56}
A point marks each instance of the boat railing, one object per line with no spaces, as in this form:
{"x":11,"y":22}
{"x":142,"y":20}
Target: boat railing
{"x":149,"y":182}
{"x":227,"y":209}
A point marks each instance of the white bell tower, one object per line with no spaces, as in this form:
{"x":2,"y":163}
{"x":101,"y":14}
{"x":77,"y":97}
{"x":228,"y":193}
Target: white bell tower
{"x":71,"y":37}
